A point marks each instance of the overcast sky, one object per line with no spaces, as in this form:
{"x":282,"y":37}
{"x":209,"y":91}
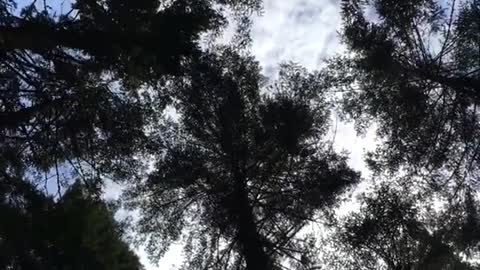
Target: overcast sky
{"x":306,"y":32}
{"x":303,"y":31}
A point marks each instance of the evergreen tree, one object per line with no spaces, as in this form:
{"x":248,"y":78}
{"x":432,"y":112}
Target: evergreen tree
{"x":242,"y":172}
{"x":413,"y":67}
{"x":79,"y":90}
{"x":77,"y":232}
{"x":396,"y":229}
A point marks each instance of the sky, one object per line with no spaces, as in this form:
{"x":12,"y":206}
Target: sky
{"x":305,"y":32}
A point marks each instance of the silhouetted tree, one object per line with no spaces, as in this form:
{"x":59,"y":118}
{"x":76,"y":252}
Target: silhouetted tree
{"x":144,"y":39}
{"x":394,"y":229}
{"x":77,"y":232}
{"x":242,"y":172}
{"x":413,"y":67}
{"x":81,"y":88}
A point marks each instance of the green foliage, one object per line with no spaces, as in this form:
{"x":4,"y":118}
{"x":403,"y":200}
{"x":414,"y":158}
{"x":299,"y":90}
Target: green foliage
{"x":77,"y":232}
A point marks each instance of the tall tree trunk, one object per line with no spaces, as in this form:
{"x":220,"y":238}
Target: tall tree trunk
{"x":248,"y":237}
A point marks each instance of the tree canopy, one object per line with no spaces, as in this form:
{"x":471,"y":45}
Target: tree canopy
{"x":80,"y":88}
{"x":414,"y":69}
{"x":243,"y":172}
{"x":237,"y":167}
{"x":397,"y":231}
{"x":76,"y":232}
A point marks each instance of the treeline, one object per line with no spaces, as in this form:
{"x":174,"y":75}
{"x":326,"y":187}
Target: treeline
{"x":237,"y":167}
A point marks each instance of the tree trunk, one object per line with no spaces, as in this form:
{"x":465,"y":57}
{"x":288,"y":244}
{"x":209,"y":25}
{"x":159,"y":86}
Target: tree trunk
{"x":465,"y":85}
{"x":248,"y":237}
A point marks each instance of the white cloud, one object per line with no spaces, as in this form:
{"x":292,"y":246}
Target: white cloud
{"x":306,"y":32}
{"x":303,"y":31}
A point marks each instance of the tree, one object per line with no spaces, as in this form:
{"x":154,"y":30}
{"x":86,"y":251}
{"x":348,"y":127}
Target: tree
{"x":77,"y":232}
{"x":413,"y":68}
{"x":393,"y":230}
{"x":144,"y":38}
{"x":243,"y":172}
{"x":80,"y":89}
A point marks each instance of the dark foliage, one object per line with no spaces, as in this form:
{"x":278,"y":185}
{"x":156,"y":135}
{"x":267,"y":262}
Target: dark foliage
{"x":242,"y":172}
{"x":395,"y":229}
{"x":77,"y":232}
{"x":144,"y":39}
{"x":414,"y":69}
{"x":78,"y":90}
{"x":242,"y":166}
